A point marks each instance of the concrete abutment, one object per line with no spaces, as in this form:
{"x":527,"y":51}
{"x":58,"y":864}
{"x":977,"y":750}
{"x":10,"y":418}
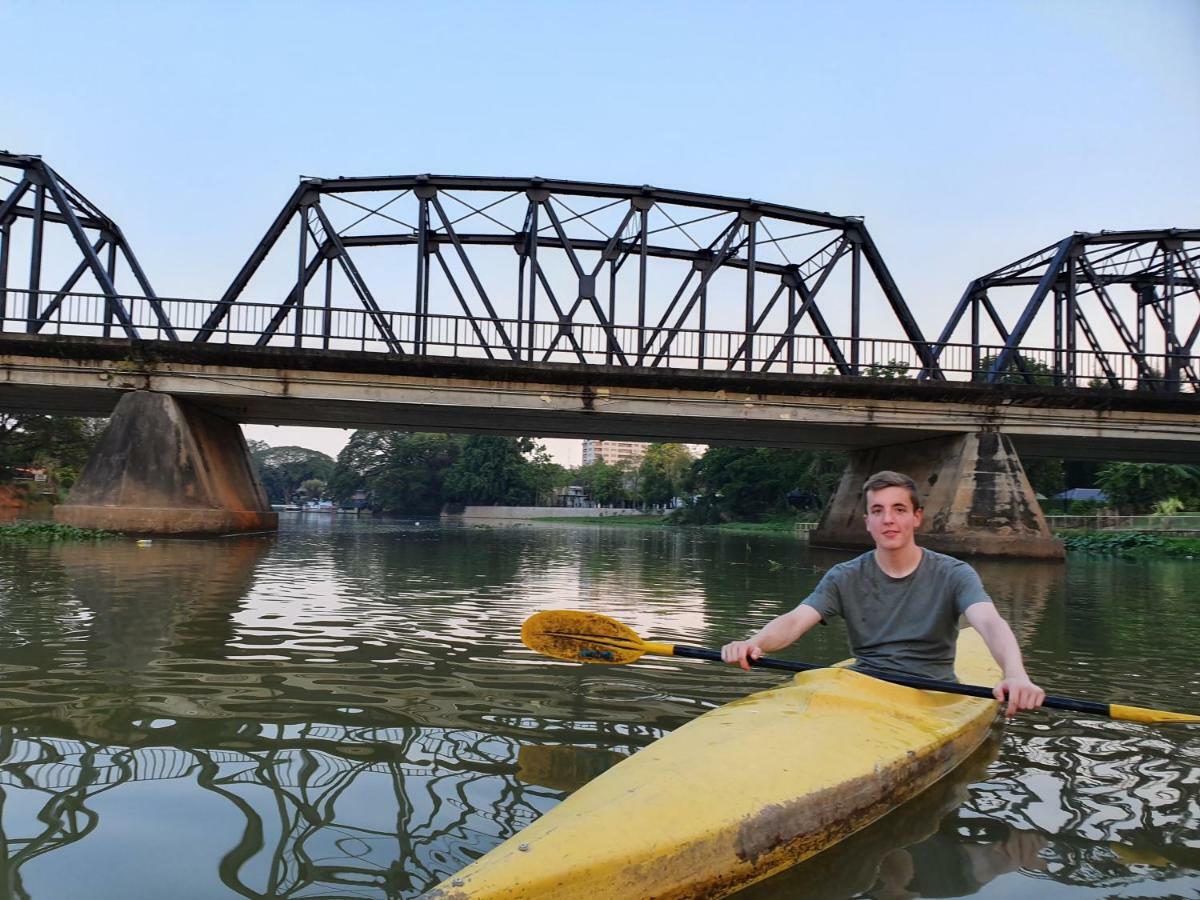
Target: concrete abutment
{"x":164,"y":466}
{"x":978,"y":500}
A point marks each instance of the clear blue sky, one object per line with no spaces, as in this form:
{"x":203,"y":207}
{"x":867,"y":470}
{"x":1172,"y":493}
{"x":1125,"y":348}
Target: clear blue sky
{"x":967,"y":134}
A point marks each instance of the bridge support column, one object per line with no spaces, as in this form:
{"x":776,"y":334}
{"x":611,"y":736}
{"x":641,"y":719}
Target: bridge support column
{"x":164,"y":466}
{"x":978,"y":501}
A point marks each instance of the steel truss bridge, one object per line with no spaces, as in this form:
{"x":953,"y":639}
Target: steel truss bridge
{"x":541,"y":271}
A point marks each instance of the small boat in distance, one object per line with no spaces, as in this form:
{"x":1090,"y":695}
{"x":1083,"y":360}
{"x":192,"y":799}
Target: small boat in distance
{"x":324,"y":506}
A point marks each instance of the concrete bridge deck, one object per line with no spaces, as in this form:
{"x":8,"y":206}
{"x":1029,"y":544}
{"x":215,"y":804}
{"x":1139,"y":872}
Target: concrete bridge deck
{"x":286,"y":386}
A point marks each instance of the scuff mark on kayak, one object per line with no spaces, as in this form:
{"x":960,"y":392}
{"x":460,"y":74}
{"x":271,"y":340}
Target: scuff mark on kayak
{"x":827,"y":816}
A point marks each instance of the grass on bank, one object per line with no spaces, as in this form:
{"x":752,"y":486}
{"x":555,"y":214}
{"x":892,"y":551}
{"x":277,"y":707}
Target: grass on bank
{"x":47,"y":532}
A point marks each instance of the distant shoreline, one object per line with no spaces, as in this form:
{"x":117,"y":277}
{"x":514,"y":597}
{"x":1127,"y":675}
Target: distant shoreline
{"x":771,"y":526}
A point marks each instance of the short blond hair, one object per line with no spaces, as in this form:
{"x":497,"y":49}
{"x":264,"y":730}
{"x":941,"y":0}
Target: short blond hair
{"x":887,"y":479}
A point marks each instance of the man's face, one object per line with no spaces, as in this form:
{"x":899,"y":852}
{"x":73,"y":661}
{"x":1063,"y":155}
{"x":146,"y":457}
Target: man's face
{"x":891,"y":519}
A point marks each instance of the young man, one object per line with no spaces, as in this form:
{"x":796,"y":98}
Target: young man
{"x":901,"y":604}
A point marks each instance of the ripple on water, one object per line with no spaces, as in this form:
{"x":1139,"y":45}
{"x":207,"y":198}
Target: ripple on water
{"x":365,"y":678}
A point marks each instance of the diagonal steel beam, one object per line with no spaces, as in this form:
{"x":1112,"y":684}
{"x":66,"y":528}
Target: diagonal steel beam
{"x":274,"y":231}
{"x":1084,"y":326}
{"x":745,"y":346}
{"x":1002,"y":330}
{"x":581,"y":274}
{"x":290,"y":301}
{"x":136,"y":268}
{"x":892,"y":292}
{"x":93,"y":260}
{"x":951,"y":324}
{"x":728,"y":250}
{"x":1113,"y":314}
{"x":7,"y":207}
{"x":711,"y":262}
{"x":357,"y":282}
{"x":54,"y":304}
{"x":1172,"y":339}
{"x":466,"y":263}
{"x":462,"y":301}
{"x":808,"y":298}
{"x":1194,"y":280}
{"x":1031,"y":310}
{"x":563,"y":321}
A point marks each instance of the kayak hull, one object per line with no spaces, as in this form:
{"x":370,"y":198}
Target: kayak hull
{"x":743,"y":791}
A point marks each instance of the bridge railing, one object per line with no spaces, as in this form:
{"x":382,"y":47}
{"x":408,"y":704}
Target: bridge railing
{"x":405,"y":333}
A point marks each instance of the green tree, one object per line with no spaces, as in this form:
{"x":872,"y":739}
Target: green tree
{"x":360,"y":460}
{"x":63,"y":441}
{"x":1015,"y":371}
{"x":59,"y":444}
{"x":607,"y":484}
{"x":892,"y":370}
{"x":1047,"y":475}
{"x":400,"y":471}
{"x":663,"y":471}
{"x":1138,"y":486}
{"x":283,"y":470}
{"x":545,"y":475}
{"x":414,"y":472}
{"x":748,"y":483}
{"x":313,"y":488}
{"x":497,"y":471}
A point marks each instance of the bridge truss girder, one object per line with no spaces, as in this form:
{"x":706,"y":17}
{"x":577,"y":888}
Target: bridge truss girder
{"x":543,"y":220}
{"x":1161,"y":267}
{"x":39,"y":196}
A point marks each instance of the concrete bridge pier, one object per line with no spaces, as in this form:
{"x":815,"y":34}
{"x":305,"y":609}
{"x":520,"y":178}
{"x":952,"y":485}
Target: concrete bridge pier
{"x":978,"y":501}
{"x":164,"y":466}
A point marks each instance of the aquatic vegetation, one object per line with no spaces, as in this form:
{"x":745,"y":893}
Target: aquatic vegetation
{"x":1132,"y":543}
{"x":45,"y":532}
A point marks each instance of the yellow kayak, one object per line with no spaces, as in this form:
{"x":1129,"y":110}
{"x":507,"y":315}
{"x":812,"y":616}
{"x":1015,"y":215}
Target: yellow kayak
{"x":743,"y":791}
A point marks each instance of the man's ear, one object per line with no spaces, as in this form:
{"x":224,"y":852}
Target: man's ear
{"x":918,"y":518}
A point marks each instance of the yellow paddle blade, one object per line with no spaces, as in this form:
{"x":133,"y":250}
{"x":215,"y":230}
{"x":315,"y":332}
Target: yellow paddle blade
{"x":582,"y":637}
{"x":1149,"y":716}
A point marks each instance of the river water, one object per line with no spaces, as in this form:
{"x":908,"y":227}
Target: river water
{"x":344,"y":709}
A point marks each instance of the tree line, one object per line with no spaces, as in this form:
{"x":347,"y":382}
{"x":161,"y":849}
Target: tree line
{"x":421,"y":473}
{"x":56,"y":445}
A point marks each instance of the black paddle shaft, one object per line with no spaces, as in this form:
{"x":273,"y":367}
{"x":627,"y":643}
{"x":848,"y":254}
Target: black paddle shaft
{"x":929,"y":684}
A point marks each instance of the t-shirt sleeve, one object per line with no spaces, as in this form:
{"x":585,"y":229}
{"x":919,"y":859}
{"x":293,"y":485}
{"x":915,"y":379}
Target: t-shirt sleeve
{"x":968,"y":589}
{"x":826,"y":598}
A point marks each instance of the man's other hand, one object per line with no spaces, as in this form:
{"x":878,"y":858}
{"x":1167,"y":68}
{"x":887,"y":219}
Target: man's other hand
{"x":1021,"y":694}
{"x":739,"y":653}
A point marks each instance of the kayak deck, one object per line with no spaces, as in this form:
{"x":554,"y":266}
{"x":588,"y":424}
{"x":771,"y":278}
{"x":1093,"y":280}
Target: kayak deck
{"x":743,"y":791}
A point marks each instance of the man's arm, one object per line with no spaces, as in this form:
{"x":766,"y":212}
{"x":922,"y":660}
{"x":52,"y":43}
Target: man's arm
{"x":1015,"y":686}
{"x":777,"y":634}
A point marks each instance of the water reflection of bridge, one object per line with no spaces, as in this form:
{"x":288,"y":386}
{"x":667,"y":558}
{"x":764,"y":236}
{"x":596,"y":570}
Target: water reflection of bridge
{"x":297,"y":791}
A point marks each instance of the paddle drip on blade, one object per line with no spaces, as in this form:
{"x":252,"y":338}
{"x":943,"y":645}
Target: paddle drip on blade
{"x":582,"y":637}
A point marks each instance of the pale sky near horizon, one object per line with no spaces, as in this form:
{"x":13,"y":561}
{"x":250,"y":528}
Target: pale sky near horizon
{"x":966,"y":134}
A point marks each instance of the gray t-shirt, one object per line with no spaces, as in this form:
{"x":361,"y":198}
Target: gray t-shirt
{"x":900,"y":626}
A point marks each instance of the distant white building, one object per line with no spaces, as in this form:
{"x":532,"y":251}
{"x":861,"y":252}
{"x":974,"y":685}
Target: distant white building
{"x":620,"y":451}
{"x":612,"y":451}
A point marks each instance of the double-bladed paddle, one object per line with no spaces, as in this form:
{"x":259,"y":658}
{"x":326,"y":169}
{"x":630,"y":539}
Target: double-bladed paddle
{"x":595,"y":638}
